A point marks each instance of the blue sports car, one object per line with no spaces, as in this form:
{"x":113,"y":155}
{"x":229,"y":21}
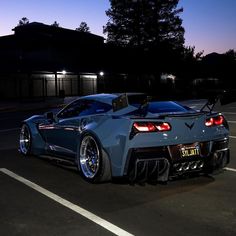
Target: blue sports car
{"x":130,"y":135}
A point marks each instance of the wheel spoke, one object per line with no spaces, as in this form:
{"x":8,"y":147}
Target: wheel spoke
{"x":25,"y":140}
{"x":89,"y":157}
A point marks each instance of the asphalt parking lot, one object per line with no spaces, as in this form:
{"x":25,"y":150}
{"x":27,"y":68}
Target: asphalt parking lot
{"x":39,"y":197}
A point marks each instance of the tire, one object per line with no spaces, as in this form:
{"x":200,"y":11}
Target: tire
{"x":93,"y":162}
{"x":217,"y":162}
{"x":25,"y":143}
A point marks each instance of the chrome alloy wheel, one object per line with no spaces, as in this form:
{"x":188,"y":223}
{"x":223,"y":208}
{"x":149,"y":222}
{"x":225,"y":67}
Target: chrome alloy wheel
{"x":25,"y":140}
{"x":89,"y":157}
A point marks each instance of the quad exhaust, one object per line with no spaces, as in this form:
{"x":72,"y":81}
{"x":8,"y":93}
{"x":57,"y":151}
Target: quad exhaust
{"x":188,"y":166}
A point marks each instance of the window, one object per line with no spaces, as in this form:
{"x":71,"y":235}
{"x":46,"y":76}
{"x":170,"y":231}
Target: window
{"x":83,"y":108}
{"x":162,"y":107}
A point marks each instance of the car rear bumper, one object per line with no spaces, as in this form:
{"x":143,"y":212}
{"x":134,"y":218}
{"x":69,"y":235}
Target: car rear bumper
{"x":162,"y":163}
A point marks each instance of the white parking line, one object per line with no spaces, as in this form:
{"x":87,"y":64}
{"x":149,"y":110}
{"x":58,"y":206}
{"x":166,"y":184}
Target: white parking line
{"x":230,"y":169}
{"x":232,"y":121}
{"x":232,"y":136}
{"x":229,"y":113}
{"x":96,"y":219}
{"x":7,"y":130}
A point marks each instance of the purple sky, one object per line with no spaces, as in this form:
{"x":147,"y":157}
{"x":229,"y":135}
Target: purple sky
{"x":210,"y":25}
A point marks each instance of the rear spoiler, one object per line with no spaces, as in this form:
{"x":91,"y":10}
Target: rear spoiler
{"x":120,"y":102}
{"x":225,"y":97}
{"x":123,"y":100}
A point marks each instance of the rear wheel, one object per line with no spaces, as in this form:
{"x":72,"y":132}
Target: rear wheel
{"x":25,"y":140}
{"x":93,"y":163}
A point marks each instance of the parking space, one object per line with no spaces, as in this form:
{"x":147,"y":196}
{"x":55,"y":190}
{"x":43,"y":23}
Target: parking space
{"x":26,"y":212}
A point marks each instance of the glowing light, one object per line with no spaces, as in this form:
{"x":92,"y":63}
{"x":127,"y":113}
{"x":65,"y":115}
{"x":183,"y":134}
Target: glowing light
{"x":64,"y":72}
{"x":101,"y":73}
{"x":89,"y":76}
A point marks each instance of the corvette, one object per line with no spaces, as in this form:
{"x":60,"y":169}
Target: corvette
{"x":130,"y":135}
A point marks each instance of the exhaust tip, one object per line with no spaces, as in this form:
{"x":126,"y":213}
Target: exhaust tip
{"x":178,"y":167}
{"x":200,"y":164}
{"x":186,"y":166}
{"x":193,"y":165}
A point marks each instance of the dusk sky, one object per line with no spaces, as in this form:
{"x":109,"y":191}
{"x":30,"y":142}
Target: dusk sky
{"x":210,"y":25}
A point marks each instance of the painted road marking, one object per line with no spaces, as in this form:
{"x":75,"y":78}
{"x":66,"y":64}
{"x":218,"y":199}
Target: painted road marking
{"x":230,"y":169}
{"x":232,"y":121}
{"x":7,"y":130}
{"x":96,"y":219}
{"x":229,"y":113}
{"x":232,"y":136}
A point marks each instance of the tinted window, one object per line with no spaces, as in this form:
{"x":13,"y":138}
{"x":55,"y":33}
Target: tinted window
{"x":83,"y":108}
{"x":162,"y":107}
{"x":94,"y":107}
{"x":99,"y":107}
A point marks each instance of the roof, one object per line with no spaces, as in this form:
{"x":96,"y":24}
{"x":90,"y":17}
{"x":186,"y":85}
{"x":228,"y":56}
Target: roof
{"x":102,"y":97}
{"x":43,"y":28}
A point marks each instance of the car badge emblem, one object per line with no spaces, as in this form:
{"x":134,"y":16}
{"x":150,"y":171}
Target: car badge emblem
{"x":190,"y":126}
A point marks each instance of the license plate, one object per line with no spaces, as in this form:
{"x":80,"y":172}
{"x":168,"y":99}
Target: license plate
{"x":189,"y":152}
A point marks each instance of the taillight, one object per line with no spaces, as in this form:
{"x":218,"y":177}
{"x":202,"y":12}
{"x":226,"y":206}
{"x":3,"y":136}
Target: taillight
{"x":209,"y":122}
{"x":151,"y":127}
{"x":217,"y":120}
{"x":163,"y":127}
{"x":145,"y":127}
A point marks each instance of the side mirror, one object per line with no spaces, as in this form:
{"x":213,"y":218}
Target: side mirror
{"x":51,"y":117}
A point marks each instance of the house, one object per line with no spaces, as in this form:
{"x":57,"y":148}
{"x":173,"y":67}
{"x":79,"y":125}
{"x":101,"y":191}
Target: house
{"x":41,"y":60}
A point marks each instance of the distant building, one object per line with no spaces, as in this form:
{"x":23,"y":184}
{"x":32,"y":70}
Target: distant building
{"x":39,"y":60}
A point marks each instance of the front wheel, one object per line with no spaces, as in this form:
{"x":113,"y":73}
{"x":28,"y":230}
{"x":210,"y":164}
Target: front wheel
{"x":93,"y":163}
{"x":25,"y":140}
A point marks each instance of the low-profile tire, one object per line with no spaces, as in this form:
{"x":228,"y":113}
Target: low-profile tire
{"x":25,"y":142}
{"x":93,"y":162}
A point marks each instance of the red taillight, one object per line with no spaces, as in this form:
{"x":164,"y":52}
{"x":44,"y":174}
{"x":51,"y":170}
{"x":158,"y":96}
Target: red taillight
{"x":218,"y":120}
{"x":151,"y":127}
{"x":209,"y":122}
{"x":144,"y":127}
{"x":163,"y":127}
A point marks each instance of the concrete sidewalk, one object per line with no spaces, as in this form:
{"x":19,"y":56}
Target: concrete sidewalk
{"x":34,"y":104}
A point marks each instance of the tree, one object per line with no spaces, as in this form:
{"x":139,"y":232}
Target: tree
{"x":189,"y":54}
{"x":83,"y":27}
{"x":145,"y":23}
{"x":231,"y":54}
{"x":55,"y":24}
{"x":23,"y":21}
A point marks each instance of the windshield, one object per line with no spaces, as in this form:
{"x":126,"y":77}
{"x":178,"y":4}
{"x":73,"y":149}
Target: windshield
{"x":164,"y":107}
